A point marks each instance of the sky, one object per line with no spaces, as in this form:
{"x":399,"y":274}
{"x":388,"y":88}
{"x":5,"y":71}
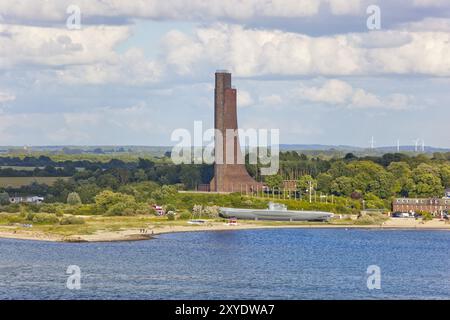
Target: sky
{"x":132,"y":72}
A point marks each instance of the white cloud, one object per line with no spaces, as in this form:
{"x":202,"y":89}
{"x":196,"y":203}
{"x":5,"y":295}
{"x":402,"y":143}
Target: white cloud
{"x":428,"y":24}
{"x":249,"y":52}
{"x":103,"y":125}
{"x":130,"y":68}
{"x":333,"y":91}
{"x":271,"y":100}
{"x":186,"y":53}
{"x":56,"y":47}
{"x":55,"y":10}
{"x":344,"y":7}
{"x":6,"y":97}
{"x":340,"y":93}
{"x":253,"y":52}
{"x":362,"y":99}
{"x":85,"y":56}
{"x":89,"y":55}
{"x":431,"y":3}
{"x":244,"y":98}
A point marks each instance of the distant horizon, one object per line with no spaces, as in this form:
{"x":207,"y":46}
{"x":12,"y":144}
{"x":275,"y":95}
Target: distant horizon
{"x":170,"y":146}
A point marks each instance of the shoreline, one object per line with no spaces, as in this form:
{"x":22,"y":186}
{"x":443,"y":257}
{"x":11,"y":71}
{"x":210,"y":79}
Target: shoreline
{"x":136,"y":234}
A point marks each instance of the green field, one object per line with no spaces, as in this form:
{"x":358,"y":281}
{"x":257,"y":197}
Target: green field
{"x":25,"y":168}
{"x":16,"y":182}
{"x":22,"y":168}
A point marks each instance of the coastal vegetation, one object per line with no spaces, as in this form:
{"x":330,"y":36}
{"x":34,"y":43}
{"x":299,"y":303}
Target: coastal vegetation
{"x":96,"y":185}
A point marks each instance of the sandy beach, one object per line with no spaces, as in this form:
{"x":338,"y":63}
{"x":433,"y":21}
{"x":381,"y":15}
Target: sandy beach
{"x":151,"y":231}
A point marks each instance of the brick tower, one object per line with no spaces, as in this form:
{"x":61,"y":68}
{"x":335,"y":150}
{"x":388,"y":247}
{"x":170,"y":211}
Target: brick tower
{"x":229,"y":176}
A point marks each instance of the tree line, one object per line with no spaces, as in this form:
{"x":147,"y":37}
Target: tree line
{"x":381,"y":177}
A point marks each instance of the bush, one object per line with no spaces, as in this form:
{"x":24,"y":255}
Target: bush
{"x":120,"y":209}
{"x":73,"y":199}
{"x":170,"y":215}
{"x":13,"y":218}
{"x":129,"y":212}
{"x":377,"y":218}
{"x":45,"y":218}
{"x":12,"y":208}
{"x":206,"y":211}
{"x":185,"y":215}
{"x":87,"y":209}
{"x":70,"y":210}
{"x":71,"y":220}
{"x":34,"y":207}
{"x":152,"y":211}
{"x":48,"y":208}
{"x":426,"y":216}
{"x":29,"y":216}
{"x":170,"y":207}
{"x":4,"y":198}
{"x":145,"y":209}
{"x":114,"y":203}
{"x":211,"y":211}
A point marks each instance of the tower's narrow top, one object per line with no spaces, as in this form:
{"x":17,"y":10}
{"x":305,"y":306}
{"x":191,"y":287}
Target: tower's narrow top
{"x":223,"y":71}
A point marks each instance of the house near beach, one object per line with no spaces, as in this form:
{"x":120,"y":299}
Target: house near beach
{"x":435,"y":206}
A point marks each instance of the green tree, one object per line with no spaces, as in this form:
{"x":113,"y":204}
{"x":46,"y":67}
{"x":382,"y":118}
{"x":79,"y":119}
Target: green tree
{"x":190,"y":176}
{"x":108,"y":181}
{"x":373,"y":202}
{"x":338,"y":169}
{"x":4,"y":198}
{"x":74,"y":199}
{"x":140,"y":175}
{"x":145,"y":164}
{"x":428,"y":185}
{"x":445,"y":175}
{"x":403,"y":183}
{"x":324,"y":181}
{"x":274,"y":181}
{"x":342,"y":186}
{"x":305,"y":182}
{"x":108,"y":199}
{"x":427,"y":181}
{"x":382,"y":185}
{"x":400,"y":170}
{"x":87,"y":192}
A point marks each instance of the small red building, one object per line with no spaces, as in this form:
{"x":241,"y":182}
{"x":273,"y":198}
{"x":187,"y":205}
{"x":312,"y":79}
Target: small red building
{"x":159,"y":210}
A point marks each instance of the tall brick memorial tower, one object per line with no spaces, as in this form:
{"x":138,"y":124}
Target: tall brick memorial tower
{"x":229,"y":176}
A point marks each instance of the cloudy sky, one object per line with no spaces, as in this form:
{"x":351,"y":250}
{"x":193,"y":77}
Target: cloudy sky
{"x":136,"y":70}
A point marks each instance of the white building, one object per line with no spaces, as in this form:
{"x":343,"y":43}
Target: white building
{"x":28,"y":199}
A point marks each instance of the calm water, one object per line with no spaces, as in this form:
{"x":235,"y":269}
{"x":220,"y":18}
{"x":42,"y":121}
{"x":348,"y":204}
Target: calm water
{"x":251,"y":264}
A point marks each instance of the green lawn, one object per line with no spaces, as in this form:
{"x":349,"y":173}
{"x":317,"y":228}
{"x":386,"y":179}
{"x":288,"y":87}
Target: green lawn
{"x":16,"y":182}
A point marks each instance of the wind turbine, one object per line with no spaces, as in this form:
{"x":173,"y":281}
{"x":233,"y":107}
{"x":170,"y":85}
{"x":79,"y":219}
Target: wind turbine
{"x":416,"y":142}
{"x":372,"y":143}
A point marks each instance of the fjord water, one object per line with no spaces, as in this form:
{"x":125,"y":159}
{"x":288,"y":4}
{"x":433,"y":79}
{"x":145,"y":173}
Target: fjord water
{"x":247,"y":264}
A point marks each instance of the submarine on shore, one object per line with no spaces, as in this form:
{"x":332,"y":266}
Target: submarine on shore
{"x":275,"y":212}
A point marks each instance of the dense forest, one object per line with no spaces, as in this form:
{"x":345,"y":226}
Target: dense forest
{"x":384,"y":177}
{"x":355,"y":177}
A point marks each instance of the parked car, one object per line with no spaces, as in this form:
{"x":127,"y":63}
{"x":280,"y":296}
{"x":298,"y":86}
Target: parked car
{"x":406,"y":215}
